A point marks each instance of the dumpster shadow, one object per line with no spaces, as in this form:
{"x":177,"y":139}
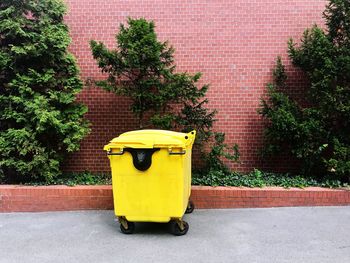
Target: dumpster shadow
{"x":110,"y":222}
{"x":151,"y":228}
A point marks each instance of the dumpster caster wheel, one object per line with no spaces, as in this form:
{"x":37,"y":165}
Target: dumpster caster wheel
{"x":178,"y":227}
{"x":190,"y":207}
{"x":129,"y":230}
{"x":126,"y":227}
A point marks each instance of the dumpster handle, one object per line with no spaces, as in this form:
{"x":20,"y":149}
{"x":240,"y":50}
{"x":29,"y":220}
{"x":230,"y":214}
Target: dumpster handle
{"x":109,"y":152}
{"x":176,"y":153}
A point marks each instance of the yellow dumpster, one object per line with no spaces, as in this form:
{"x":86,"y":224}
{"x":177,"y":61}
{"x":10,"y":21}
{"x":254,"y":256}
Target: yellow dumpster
{"x":151,"y":178}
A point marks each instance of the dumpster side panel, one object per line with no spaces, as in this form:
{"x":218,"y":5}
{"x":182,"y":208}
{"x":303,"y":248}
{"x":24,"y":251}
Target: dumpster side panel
{"x":187,"y":177}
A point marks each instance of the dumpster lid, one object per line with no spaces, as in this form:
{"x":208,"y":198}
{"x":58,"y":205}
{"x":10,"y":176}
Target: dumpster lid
{"x":152,"y":139}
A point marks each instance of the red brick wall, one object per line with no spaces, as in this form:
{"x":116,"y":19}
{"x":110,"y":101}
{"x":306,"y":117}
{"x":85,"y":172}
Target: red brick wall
{"x":233,"y":43}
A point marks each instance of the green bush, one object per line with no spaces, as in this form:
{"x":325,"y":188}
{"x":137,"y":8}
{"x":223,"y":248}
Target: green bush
{"x":257,"y":178}
{"x":213,"y":158}
{"x":78,"y":178}
{"x":40,"y":122}
{"x":142,"y":68}
{"x":318,"y":134}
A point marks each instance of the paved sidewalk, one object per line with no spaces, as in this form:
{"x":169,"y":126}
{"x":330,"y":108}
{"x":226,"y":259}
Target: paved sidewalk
{"x":304,"y":234}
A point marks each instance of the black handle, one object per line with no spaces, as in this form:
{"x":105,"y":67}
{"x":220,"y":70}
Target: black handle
{"x":177,"y":153}
{"x":109,"y":152}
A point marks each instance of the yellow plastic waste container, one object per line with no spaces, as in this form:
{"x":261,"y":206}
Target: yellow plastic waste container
{"x":151,"y":178}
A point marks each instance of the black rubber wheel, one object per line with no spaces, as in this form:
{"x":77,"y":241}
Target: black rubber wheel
{"x":129,"y":230}
{"x":175,"y":229}
{"x":190,"y":207}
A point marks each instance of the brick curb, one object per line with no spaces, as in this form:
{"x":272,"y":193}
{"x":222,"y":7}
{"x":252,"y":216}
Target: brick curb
{"x":16,"y":198}
{"x":236,"y":197}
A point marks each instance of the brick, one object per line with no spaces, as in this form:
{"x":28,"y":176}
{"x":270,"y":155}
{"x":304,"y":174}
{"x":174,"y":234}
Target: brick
{"x":60,"y":198}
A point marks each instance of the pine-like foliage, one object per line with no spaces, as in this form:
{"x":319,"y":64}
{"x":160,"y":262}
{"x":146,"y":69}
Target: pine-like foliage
{"x":142,"y":68}
{"x":40,"y":122}
{"x":318,"y":134}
